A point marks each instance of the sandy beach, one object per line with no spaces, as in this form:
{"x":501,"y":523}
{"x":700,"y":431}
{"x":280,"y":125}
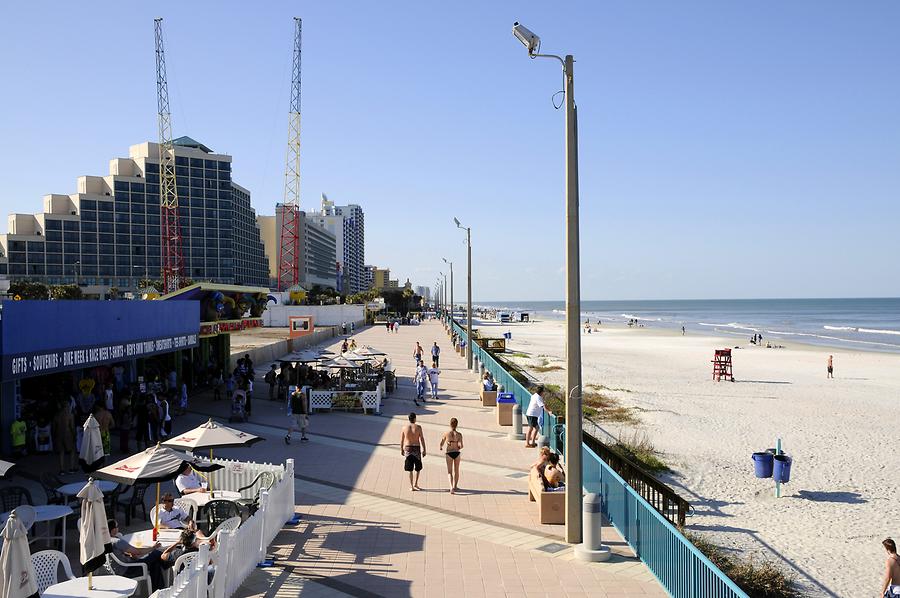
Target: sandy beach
{"x":842,"y":498}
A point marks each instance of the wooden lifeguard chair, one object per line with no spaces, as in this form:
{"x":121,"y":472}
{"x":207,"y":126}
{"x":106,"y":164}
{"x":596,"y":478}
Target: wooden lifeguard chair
{"x":722,"y":365}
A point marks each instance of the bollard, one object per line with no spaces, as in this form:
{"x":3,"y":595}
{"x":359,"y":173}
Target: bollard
{"x":542,"y":441}
{"x":516,"y":432}
{"x":474,"y":363}
{"x":592,"y":549}
{"x":480,"y":370}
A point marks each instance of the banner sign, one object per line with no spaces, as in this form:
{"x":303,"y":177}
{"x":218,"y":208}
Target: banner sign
{"x":208,"y":329}
{"x":26,"y":365}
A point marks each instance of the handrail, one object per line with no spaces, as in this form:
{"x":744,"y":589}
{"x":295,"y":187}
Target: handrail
{"x":677,"y":564}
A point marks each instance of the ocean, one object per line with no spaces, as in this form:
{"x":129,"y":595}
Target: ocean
{"x":861,"y":324}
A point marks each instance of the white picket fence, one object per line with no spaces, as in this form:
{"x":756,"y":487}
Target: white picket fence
{"x":237,"y":474}
{"x":369,"y":400}
{"x":238,"y":552}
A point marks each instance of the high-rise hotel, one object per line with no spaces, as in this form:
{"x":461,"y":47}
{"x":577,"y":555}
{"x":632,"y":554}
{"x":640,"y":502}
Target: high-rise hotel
{"x":107,"y":234}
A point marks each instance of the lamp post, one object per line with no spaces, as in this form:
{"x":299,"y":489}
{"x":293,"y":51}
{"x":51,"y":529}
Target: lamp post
{"x":468,"y":230}
{"x":78,"y":273}
{"x":451,"y":289}
{"x":573,"y":291}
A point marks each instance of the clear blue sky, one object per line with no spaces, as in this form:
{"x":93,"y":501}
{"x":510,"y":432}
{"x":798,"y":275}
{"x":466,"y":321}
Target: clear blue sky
{"x":727,"y":149}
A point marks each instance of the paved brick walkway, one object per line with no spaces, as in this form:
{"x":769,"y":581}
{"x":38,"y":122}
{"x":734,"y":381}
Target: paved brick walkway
{"x":365,"y":534}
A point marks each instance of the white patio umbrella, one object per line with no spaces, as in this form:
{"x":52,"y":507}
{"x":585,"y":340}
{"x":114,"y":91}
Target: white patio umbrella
{"x":91,"y":456}
{"x":212,"y":435}
{"x":370,"y":351}
{"x":354,"y":356}
{"x":306,"y":356}
{"x":17,"y":578}
{"x":5,"y":466}
{"x":341,"y":363}
{"x":156,"y":464}
{"x":95,"y":539}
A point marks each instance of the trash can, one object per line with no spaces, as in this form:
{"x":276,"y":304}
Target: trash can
{"x":505,"y":403}
{"x":762,"y":464}
{"x":488,"y":398}
{"x":782,"y":469}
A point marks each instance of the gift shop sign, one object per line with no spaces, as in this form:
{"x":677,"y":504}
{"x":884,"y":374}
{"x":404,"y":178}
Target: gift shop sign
{"x":26,"y":365}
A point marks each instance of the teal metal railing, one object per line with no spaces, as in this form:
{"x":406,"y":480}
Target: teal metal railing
{"x":676,"y":563}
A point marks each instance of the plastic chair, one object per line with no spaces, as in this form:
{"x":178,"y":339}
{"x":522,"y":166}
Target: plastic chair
{"x":217,"y":511}
{"x":113,"y":562}
{"x":13,"y":496}
{"x":26,"y":515}
{"x":229,"y":525}
{"x":132,"y":501}
{"x":185,"y":560}
{"x":266,"y":480}
{"x":50,"y":482}
{"x":46,"y":568}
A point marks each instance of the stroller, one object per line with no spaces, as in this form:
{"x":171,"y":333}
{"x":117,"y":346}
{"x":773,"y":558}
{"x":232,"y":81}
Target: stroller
{"x":238,"y":412}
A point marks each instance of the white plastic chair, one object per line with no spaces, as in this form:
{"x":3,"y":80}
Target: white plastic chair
{"x":112,"y":562}
{"x":46,"y":568}
{"x":185,"y":560}
{"x":229,"y":524}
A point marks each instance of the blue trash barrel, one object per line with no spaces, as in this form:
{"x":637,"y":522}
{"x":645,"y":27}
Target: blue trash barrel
{"x":762,"y":465}
{"x":782,"y":471}
{"x":506,"y":397}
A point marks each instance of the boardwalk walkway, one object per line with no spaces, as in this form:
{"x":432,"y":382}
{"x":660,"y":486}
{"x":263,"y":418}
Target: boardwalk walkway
{"x":365,"y":534}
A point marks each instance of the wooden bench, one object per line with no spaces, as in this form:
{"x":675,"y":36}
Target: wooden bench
{"x":551,"y":505}
{"x":488,"y":398}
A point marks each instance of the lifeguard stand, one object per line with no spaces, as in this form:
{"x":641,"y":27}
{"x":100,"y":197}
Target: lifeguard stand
{"x":722,"y":365}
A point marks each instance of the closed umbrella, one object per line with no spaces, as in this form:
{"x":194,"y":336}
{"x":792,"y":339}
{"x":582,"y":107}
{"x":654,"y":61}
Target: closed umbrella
{"x":91,"y":457}
{"x":156,"y":464}
{"x":95,"y":540}
{"x":212,"y":435}
{"x":17,"y":578}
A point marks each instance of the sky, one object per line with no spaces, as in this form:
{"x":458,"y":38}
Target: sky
{"x":726,"y":150}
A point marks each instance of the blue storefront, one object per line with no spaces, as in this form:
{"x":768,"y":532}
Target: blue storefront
{"x":44,"y":343}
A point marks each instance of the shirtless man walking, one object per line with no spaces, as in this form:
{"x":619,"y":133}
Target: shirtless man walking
{"x":412,"y":447}
{"x":830,"y":366}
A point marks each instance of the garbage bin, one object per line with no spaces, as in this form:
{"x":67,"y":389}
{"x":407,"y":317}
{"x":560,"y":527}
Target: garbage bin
{"x":488,"y":398}
{"x":782,"y":469}
{"x":762,"y":464}
{"x":505,"y":403}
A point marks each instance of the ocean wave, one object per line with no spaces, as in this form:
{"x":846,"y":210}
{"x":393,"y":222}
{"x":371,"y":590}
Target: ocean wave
{"x":632,"y":317}
{"x":877,"y":331}
{"x":832,"y":338}
{"x":735,"y":325}
{"x":850,"y":328}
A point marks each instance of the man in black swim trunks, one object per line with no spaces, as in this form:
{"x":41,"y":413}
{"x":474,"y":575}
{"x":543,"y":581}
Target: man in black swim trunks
{"x":412,"y":447}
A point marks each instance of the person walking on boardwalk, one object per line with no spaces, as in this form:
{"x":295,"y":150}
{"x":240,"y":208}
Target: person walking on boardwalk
{"x":412,"y":447}
{"x":831,"y":366}
{"x":890,"y":586}
{"x":433,"y":375}
{"x":534,"y":411}
{"x":420,"y":378}
{"x":454,"y":441}
{"x":435,"y":355}
{"x":299,"y":415}
{"x":417,"y":352}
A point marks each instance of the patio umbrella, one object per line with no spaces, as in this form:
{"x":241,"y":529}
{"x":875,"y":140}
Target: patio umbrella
{"x":156,"y":464}
{"x":370,"y":351}
{"x":5,"y":466}
{"x":341,"y":363}
{"x":17,"y":578}
{"x":212,"y":435}
{"x":95,"y":540}
{"x":91,"y":456}
{"x":304,"y":356}
{"x":354,"y":356}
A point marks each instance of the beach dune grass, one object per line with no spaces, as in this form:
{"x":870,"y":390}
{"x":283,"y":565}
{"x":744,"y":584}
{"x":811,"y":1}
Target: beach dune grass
{"x":639,"y":448}
{"x":760,"y":579}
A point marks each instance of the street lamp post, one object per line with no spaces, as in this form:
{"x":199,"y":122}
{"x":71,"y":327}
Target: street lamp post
{"x":78,"y":273}
{"x":451,"y":289}
{"x":573,"y":292}
{"x":468,"y":291}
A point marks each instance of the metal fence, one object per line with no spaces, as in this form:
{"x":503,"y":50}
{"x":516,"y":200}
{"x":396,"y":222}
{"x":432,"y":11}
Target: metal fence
{"x":679,"y":566}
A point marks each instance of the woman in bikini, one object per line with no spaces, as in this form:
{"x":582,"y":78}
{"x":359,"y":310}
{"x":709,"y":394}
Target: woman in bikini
{"x":454,"y":442}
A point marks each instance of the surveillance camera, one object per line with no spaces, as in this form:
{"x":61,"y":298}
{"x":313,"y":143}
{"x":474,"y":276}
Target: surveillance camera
{"x":528,"y":39}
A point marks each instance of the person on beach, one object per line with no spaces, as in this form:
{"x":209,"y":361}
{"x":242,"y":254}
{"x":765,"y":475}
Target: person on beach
{"x":299,"y":415}
{"x":420,"y":378}
{"x":454,"y":441}
{"x":412,"y":447}
{"x":435,"y":355}
{"x":890,"y":586}
{"x":831,"y":366}
{"x":682,"y":331}
{"x":535,"y":408}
